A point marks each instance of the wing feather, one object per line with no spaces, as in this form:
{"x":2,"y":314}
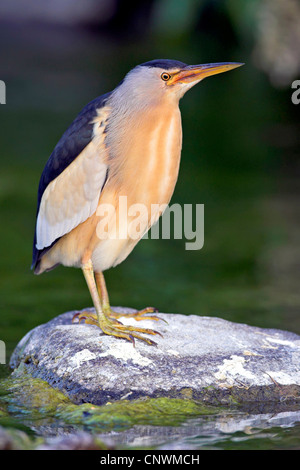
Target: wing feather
{"x":73,"y":178}
{"x":71,"y":198}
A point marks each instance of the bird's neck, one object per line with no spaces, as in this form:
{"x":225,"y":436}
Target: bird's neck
{"x":130,"y":123}
{"x":145,"y":154}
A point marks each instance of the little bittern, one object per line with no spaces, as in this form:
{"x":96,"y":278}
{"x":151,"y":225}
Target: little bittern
{"x":124,"y":143}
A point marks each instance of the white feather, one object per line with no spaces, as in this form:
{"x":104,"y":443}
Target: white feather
{"x":72,"y":197}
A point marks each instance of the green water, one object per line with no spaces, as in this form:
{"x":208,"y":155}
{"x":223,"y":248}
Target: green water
{"x":31,"y":411}
{"x":233,"y":162}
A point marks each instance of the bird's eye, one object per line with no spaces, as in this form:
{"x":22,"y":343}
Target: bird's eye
{"x":165,"y":76}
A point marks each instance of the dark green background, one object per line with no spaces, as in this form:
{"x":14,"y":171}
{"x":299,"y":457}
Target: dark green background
{"x":240,"y":159}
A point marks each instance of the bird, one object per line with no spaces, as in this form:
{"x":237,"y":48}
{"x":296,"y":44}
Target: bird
{"x":124,"y":143}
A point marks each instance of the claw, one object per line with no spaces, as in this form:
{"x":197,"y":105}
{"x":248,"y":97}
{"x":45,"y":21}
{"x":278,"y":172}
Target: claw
{"x":111,"y":326}
{"x":154,"y":318}
{"x":139,"y":315}
{"x":88,"y":317}
{"x":75,"y":316}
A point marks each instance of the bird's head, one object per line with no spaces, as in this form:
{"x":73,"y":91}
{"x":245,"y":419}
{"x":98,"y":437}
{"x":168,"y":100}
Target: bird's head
{"x":169,"y":79}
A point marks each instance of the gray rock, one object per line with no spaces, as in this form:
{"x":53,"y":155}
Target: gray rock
{"x":205,"y":358}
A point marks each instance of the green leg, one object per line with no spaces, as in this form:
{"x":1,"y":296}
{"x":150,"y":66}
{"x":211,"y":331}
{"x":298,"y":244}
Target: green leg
{"x":103,"y":318}
{"x":139,"y":315}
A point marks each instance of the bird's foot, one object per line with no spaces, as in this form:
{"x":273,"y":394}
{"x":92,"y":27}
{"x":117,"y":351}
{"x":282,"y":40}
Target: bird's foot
{"x":139,"y":315}
{"x":86,"y":316}
{"x":111,"y":326}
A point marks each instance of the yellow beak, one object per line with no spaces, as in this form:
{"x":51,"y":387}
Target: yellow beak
{"x":193,"y":73}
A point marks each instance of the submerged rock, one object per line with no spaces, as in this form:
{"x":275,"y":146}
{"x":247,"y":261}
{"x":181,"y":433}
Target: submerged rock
{"x":205,"y":358}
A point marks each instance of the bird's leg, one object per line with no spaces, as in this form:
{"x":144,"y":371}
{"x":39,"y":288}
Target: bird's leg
{"x":139,"y":315}
{"x":108,"y":325}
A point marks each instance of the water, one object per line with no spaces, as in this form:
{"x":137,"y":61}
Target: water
{"x":236,"y":160}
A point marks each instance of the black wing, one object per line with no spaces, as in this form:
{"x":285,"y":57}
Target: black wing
{"x":73,"y":141}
